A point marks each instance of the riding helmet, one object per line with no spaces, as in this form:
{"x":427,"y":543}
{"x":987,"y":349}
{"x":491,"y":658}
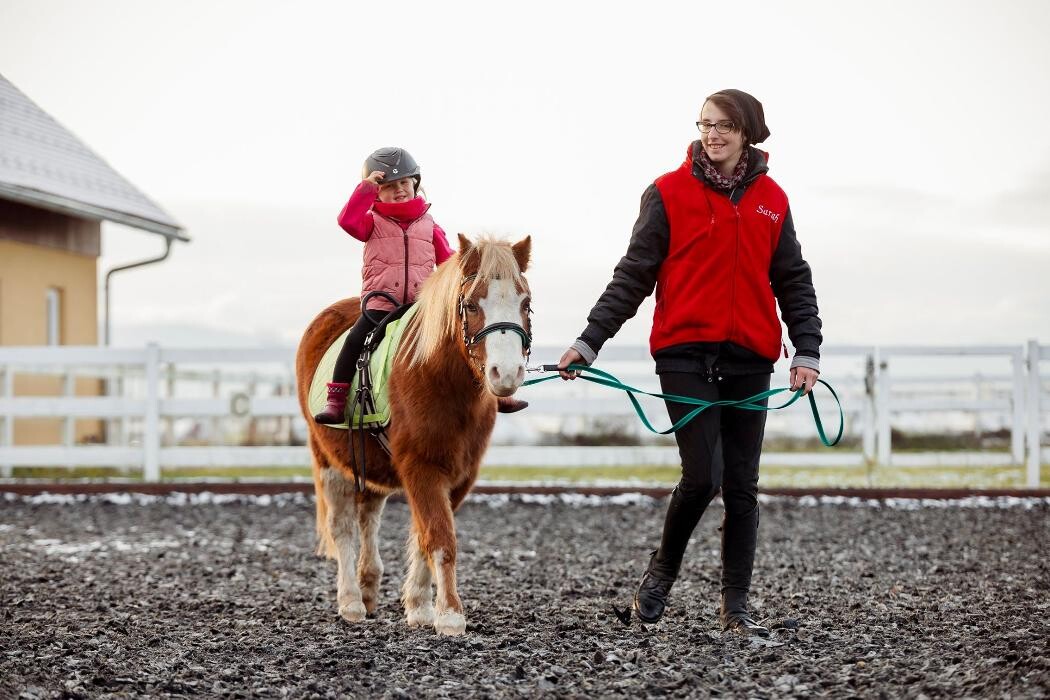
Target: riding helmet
{"x":395,"y":164}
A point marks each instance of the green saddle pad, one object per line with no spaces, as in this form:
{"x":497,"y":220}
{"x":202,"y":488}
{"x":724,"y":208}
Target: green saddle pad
{"x":382,"y":361}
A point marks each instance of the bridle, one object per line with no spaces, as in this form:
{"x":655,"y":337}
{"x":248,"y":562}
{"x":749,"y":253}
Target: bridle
{"x":500,"y":326}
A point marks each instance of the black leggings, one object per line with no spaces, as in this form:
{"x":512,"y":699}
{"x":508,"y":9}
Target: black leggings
{"x":720,"y":450}
{"x":346,"y":363}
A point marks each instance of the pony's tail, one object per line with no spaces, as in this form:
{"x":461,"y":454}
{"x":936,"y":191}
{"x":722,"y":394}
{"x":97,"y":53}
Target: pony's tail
{"x":325,"y":543}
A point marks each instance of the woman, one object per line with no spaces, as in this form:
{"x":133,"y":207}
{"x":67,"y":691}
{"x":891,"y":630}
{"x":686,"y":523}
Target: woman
{"x":716,"y":240}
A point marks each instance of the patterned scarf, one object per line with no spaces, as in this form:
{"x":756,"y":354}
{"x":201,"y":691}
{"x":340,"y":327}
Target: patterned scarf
{"x":716,"y":178}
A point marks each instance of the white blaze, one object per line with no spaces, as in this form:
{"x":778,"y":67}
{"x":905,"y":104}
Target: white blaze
{"x":505,"y":363}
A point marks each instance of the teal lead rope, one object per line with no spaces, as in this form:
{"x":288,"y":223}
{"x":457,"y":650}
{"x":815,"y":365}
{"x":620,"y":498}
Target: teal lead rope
{"x":752,"y":403}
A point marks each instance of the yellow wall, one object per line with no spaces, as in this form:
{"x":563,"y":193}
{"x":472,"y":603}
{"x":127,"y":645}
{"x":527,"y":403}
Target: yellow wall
{"x":26,"y":273}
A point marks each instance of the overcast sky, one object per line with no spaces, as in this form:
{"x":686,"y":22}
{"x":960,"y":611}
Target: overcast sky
{"x":910,"y":137}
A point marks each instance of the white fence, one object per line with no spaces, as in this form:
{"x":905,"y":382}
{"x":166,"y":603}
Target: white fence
{"x":153,"y":391}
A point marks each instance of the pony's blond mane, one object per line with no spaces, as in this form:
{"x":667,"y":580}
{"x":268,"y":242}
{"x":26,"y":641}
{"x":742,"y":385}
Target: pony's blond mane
{"x":436,"y":322}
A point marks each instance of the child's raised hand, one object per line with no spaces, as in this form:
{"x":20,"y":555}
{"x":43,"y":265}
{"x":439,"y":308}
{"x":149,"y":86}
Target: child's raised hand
{"x":375,"y":176}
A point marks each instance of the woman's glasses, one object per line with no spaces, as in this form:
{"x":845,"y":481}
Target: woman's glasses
{"x":722,"y":127}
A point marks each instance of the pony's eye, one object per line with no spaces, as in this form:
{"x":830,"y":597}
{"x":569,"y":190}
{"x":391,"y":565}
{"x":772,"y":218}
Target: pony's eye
{"x":526,"y":306}
{"x":471,"y":308}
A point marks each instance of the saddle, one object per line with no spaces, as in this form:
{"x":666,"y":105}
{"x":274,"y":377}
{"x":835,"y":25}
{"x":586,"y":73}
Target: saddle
{"x":371,"y":409}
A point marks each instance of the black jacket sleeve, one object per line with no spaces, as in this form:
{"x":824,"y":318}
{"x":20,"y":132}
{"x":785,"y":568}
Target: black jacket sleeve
{"x":792,"y":282}
{"x":634,"y":277}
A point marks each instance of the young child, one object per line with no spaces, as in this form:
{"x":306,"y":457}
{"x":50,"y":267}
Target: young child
{"x":403,"y":243}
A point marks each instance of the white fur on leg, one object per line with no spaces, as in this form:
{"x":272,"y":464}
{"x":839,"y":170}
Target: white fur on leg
{"x":450,"y":623}
{"x":420,"y":617}
{"x":447,"y":621}
{"x":353,"y":611}
{"x":369,"y":563}
{"x":343,"y":525}
{"x":415,"y":593}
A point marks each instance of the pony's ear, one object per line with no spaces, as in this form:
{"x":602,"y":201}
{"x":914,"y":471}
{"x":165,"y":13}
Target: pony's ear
{"x":469,"y":259}
{"x":522,"y":252}
{"x":464,"y":246}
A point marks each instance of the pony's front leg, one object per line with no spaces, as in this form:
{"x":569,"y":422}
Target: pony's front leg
{"x":342,"y":525}
{"x":432,"y":514}
{"x":416,"y":593}
{"x":449,"y":617}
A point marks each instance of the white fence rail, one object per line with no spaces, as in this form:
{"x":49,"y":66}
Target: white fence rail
{"x":988,"y":388}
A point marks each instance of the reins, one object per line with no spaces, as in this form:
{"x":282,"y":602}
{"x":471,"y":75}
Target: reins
{"x":751,"y":403}
{"x":363,"y":399}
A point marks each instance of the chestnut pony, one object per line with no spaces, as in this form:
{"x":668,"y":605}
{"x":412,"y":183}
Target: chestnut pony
{"x":466,"y":345}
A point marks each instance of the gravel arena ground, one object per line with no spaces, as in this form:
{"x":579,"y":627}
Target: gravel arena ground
{"x":118,"y":596}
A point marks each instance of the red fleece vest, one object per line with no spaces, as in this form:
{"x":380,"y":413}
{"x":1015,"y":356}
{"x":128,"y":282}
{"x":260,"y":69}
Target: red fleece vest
{"x":714,"y":285}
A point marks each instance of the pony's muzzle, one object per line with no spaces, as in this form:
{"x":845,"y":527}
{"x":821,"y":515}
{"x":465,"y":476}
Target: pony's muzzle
{"x":504,"y":380}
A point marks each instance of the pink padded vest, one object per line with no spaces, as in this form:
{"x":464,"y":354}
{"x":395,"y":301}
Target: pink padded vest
{"x":397,"y":260}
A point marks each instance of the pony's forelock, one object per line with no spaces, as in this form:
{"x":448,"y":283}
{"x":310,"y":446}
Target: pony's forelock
{"x":436,"y":320}
{"x":497,"y":263}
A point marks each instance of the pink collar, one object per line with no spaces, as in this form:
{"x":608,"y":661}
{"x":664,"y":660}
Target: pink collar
{"x":402,"y":211}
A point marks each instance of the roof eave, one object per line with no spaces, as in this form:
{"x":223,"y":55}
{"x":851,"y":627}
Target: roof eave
{"x":65,"y":205}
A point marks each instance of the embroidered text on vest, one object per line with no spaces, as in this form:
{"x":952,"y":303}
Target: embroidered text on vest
{"x":766,"y":212}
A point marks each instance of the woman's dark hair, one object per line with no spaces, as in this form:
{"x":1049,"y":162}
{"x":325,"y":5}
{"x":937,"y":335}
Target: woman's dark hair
{"x":732,"y":110}
{"x":746,"y":113}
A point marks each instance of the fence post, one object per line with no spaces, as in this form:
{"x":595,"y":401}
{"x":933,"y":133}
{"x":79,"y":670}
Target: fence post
{"x":123,"y":422}
{"x":7,"y":429}
{"x":151,"y":425}
{"x":1035,"y":419}
{"x":216,"y":393}
{"x":253,"y":424}
{"x":169,"y":422}
{"x":980,"y":393}
{"x":284,"y":423}
{"x":69,"y":424}
{"x":868,"y":410}
{"x":882,"y":412}
{"x":1017,"y":427}
{"x":107,"y":388}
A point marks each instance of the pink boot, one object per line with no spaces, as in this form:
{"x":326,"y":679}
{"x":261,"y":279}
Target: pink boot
{"x":335,"y":411}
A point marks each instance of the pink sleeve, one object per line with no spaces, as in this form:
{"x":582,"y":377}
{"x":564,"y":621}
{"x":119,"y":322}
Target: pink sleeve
{"x":442,"y":250}
{"x":356,"y":216}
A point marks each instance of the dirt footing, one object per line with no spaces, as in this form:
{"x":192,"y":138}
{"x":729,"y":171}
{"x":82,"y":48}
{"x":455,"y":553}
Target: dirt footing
{"x":105,"y":596}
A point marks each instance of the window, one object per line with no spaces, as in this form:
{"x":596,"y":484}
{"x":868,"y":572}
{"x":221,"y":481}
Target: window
{"x":54,"y":316}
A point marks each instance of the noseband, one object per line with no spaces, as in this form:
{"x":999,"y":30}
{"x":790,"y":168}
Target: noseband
{"x":501,"y":326}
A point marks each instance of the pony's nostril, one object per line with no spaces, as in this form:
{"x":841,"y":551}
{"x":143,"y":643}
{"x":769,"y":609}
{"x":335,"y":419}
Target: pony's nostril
{"x":493,"y":374}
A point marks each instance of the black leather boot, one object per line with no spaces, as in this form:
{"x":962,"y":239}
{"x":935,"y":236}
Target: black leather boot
{"x":739,"y":539}
{"x":736,"y":618}
{"x":650,"y":599}
{"x":683,"y":513}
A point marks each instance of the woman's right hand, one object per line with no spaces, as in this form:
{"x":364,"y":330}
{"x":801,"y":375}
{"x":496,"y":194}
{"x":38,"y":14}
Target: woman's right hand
{"x":375,"y":177}
{"x":571,"y":357}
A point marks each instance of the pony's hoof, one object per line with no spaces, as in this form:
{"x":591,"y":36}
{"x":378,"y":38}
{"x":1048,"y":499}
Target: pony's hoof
{"x":452,"y":624}
{"x":420,"y":617}
{"x":352,"y":612}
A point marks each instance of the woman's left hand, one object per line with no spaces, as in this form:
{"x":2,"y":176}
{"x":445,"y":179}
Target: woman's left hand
{"x":803,"y":375}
